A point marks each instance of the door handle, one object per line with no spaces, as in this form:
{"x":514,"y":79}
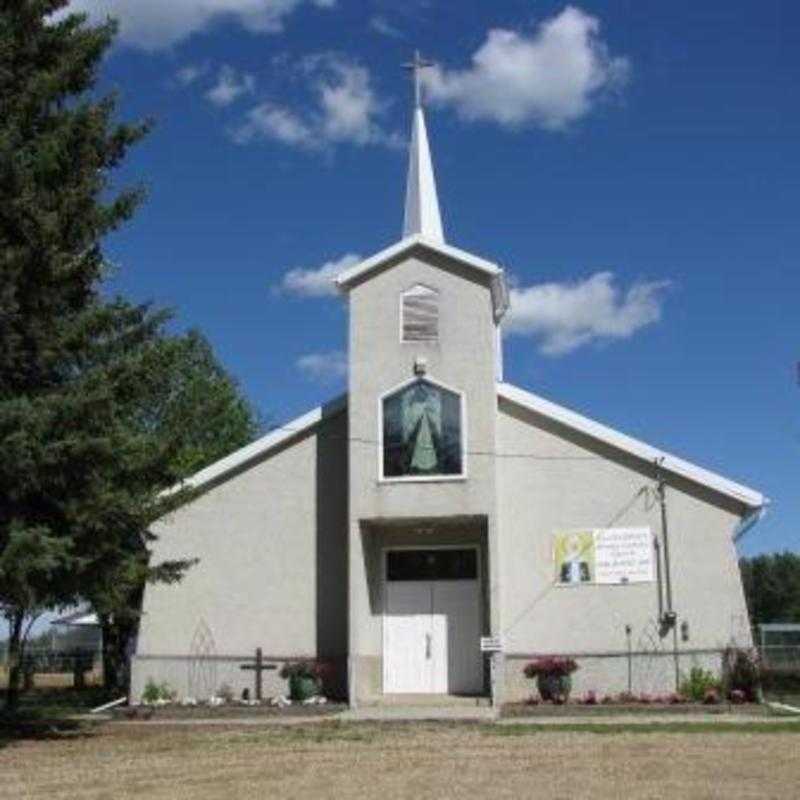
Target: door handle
{"x":427,"y":645}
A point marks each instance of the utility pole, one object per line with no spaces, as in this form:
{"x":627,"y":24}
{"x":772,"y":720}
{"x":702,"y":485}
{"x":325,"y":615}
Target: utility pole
{"x":668,"y":617}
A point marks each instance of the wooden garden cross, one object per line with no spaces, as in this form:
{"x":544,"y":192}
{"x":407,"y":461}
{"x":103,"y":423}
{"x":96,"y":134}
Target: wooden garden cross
{"x":259,"y":668}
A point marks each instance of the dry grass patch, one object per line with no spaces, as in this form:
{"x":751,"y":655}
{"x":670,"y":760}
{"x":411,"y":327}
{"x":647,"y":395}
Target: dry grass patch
{"x":330,"y":759}
{"x":56,"y":680}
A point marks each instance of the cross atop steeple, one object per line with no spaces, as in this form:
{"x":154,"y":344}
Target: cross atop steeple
{"x":422,"y":217}
{"x":415,"y":67}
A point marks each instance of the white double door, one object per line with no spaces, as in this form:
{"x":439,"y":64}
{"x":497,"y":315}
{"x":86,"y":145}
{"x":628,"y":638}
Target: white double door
{"x":431,"y":637}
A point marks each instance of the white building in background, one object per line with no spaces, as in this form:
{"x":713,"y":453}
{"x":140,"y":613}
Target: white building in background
{"x":390,"y":529}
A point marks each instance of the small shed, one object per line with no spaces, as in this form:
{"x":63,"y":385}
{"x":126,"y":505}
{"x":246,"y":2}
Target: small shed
{"x":77,"y":631}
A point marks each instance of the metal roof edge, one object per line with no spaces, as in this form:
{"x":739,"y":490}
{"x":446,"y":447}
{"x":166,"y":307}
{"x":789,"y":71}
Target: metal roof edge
{"x":261,"y":447}
{"x":678,"y":466}
{"x":493,"y":271}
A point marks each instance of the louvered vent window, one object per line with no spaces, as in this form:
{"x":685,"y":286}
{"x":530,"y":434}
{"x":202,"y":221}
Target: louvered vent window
{"x":420,"y":315}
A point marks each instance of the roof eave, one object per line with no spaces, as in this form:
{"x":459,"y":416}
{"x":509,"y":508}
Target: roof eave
{"x":261,"y":447}
{"x":495,"y":273}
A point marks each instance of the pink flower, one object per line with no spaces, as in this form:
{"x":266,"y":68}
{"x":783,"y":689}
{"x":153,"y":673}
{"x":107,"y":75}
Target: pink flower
{"x":550,"y":665}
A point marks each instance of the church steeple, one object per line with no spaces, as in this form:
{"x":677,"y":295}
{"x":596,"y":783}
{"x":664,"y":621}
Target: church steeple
{"x":422,"y":216}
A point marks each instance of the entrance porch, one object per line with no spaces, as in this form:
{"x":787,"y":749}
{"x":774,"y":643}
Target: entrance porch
{"x":429,"y":604}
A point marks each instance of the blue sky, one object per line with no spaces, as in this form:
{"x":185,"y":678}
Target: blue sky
{"x":633,"y":165}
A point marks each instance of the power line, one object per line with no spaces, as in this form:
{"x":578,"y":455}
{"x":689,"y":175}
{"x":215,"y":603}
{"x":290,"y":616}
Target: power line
{"x":489,"y":453}
{"x":551,"y":586}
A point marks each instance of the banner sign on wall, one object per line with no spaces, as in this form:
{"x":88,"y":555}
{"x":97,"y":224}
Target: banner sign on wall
{"x":604,"y":555}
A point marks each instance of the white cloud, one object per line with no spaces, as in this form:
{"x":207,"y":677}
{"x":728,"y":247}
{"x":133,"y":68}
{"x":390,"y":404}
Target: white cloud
{"x":325,"y":367}
{"x":317,"y":282}
{"x":549,"y":77}
{"x":345,"y":108}
{"x":156,"y":24}
{"x":348,"y":105}
{"x":230,"y":86}
{"x":382,"y":26}
{"x":191,"y":73}
{"x":270,"y":121}
{"x":565,"y":316}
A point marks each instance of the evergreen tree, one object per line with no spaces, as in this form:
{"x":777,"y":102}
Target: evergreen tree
{"x":191,"y":414}
{"x":63,"y":377}
{"x":772,"y":587}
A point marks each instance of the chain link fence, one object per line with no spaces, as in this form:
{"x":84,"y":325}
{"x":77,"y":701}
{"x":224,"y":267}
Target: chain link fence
{"x":780,"y":672}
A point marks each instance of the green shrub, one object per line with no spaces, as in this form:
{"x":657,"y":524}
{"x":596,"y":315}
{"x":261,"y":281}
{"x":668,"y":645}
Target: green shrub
{"x":302,"y":669}
{"x":226,"y":692}
{"x":151,"y":691}
{"x":154,"y":692}
{"x":697,"y":685}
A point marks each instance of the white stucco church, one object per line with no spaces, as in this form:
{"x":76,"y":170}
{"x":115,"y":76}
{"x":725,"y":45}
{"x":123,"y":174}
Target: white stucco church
{"x":390,"y":529}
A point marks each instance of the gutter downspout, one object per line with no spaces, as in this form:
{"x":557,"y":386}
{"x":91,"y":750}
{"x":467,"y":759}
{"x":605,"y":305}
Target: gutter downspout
{"x":669,"y":617}
{"x":748,"y":521}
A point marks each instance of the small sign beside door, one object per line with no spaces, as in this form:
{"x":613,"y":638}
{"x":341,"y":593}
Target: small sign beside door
{"x":491,"y":644}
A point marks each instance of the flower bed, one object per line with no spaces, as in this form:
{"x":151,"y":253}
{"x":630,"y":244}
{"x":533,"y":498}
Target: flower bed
{"x":581,"y":709}
{"x":307,"y":682}
{"x":737,"y":685}
{"x":225,"y":711}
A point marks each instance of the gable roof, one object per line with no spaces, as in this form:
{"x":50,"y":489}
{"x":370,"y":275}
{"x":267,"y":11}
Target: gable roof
{"x":84,"y":617}
{"x":486,"y":269}
{"x":263,"y":446}
{"x":678,"y":466}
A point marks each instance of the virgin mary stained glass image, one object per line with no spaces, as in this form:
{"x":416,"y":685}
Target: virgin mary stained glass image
{"x":422,"y":431}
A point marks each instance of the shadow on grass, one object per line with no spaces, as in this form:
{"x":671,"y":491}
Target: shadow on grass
{"x":48,"y":713}
{"x":58,"y":701}
{"x":16,"y":728}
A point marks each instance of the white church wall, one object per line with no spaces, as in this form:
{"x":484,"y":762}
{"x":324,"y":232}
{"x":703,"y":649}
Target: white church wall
{"x":463,"y":359}
{"x":584,"y":485}
{"x":271,"y":544}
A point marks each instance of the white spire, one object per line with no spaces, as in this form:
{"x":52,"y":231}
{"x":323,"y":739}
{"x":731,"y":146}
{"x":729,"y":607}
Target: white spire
{"x":422,"y":215}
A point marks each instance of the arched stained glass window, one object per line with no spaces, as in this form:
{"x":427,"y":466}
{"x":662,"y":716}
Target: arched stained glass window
{"x":422,"y":433}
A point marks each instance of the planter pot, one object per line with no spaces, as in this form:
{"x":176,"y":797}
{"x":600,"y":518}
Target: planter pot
{"x":302,"y":687}
{"x":554,"y":688}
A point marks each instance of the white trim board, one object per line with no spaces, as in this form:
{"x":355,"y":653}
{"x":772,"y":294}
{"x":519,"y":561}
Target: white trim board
{"x":677,"y":466}
{"x":262,"y":446}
